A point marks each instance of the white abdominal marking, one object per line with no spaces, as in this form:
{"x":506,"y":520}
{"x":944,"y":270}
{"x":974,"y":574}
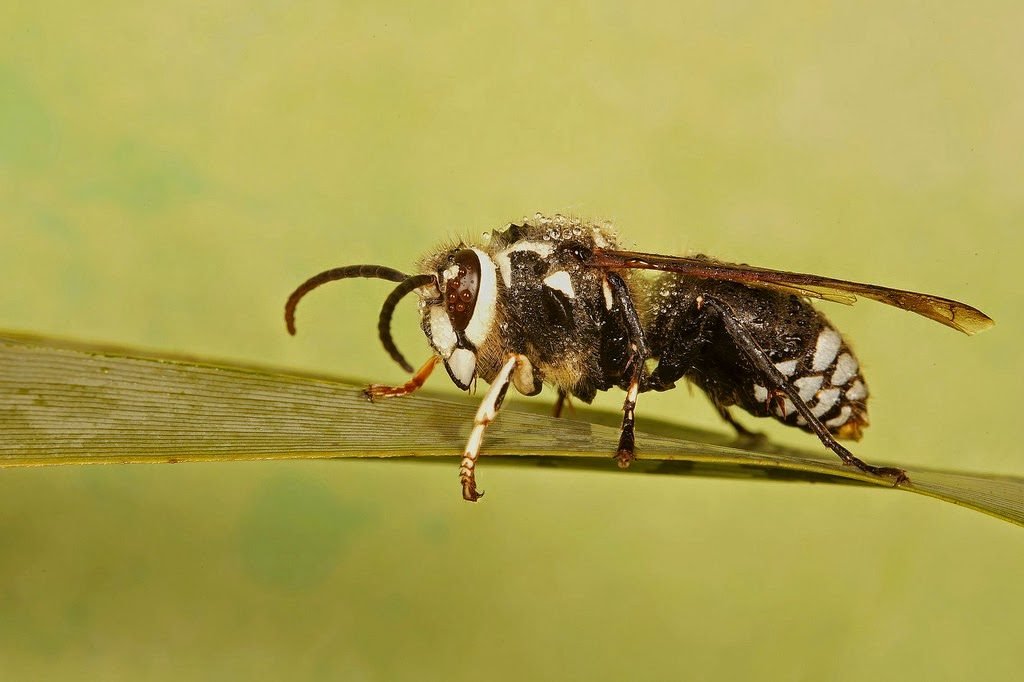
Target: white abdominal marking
{"x":844,"y":415}
{"x":560,"y":281}
{"x":808,"y":386}
{"x":542,"y":249}
{"x":857,"y":391}
{"x":846,"y":369}
{"x":820,"y":400}
{"x":787,"y":367}
{"x":825,"y":349}
{"x":826,"y":399}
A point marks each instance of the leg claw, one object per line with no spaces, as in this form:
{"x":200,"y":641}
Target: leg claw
{"x":898,"y":476}
{"x":469,"y":491}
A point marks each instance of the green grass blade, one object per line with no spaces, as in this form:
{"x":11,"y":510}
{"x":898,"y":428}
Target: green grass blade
{"x":64,"y":403}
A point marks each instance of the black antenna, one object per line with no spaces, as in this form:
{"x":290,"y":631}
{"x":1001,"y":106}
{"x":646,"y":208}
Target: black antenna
{"x":347,"y":272}
{"x":386,"y":310}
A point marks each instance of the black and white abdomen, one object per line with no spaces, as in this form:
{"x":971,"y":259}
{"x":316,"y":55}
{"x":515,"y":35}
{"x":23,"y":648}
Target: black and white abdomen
{"x":689,"y":341}
{"x":827,"y":375}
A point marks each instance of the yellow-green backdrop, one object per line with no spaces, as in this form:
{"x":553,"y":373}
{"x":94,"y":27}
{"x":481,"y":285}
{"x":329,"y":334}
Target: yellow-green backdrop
{"x":168,"y":171}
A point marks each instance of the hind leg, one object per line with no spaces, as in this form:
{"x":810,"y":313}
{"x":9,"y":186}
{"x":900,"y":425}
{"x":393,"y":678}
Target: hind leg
{"x":741,"y":431}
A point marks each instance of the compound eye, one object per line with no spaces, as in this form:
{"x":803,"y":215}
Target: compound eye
{"x":461,"y":290}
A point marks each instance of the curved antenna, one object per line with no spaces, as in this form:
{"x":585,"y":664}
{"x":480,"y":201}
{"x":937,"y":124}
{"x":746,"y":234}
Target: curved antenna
{"x":384,"y":321}
{"x":349,"y":271}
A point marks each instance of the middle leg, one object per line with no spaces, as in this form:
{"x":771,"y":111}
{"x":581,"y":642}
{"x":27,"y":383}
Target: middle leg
{"x":635,"y":367}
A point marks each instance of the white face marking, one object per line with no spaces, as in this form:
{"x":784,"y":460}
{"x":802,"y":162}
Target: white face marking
{"x":857,"y":391}
{"x":787,"y":367}
{"x":486,"y":298}
{"x":560,"y":281}
{"x":844,"y":415}
{"x":606,"y":289}
{"x":846,"y":369}
{"x":442,"y":334}
{"x":462,"y":365}
{"x":826,"y":399}
{"x":825,"y":349}
{"x":542,"y":249}
{"x":522,"y":376}
{"x":760,"y":393}
{"x":808,"y":386}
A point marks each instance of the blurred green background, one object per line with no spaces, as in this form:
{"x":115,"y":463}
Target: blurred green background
{"x":169,"y":173}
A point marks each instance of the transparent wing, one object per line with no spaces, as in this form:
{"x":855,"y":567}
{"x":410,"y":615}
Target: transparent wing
{"x":959,"y":316}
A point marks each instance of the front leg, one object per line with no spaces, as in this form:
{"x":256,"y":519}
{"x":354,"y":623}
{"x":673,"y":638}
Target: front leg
{"x":485,"y":414}
{"x":375,"y":391}
{"x":635,"y":366}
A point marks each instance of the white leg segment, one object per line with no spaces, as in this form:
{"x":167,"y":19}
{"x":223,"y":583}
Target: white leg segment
{"x":485,"y":414}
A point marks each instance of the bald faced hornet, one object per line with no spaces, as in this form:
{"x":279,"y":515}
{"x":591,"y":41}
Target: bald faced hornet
{"x":554,"y":300}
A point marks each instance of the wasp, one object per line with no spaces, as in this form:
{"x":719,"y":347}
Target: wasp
{"x":554,"y":300}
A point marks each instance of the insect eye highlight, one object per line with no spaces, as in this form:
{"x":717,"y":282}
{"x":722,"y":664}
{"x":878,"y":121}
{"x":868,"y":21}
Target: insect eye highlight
{"x":461,"y":290}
